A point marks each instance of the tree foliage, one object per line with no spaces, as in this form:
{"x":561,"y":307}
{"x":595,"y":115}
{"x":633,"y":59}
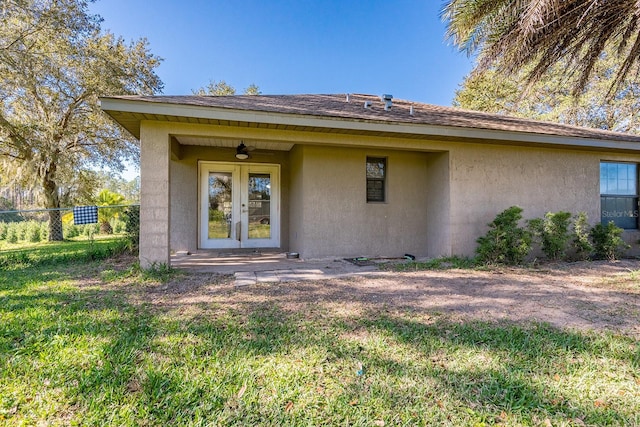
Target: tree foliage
{"x":552,"y":99}
{"x":540,"y":33}
{"x":111,"y":204}
{"x":54,"y":63}
{"x":222,"y":88}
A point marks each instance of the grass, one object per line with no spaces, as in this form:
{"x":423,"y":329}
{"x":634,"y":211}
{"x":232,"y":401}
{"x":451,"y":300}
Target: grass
{"x":78,"y":346}
{"x":51,"y":253}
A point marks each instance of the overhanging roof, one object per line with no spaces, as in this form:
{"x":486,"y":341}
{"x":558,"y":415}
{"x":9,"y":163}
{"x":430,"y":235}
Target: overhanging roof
{"x":357,"y":114}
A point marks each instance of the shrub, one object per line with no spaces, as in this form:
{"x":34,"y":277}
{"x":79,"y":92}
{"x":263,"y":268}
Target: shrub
{"x":505,"y":242}
{"x":44,"y":231}
{"x":32,"y":233}
{"x":607,"y":241}
{"x":71,"y":230}
{"x":90,"y":230}
{"x":553,"y":233}
{"x":21,"y":230}
{"x":581,"y":235}
{"x":3,"y":230}
{"x":131,"y":217}
{"x":12,"y":234}
{"x":118,"y":225}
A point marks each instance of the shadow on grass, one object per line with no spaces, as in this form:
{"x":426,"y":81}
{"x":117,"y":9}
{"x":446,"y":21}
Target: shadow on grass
{"x":93,"y":357}
{"x":524,"y":364}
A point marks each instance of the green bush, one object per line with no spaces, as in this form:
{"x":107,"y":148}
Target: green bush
{"x":21,"y":230}
{"x":32,"y":233}
{"x":3,"y":230}
{"x":552,"y":232}
{"x":581,"y":236}
{"x":131,"y":217}
{"x":118,"y":226}
{"x":12,"y":234}
{"x":44,"y":231}
{"x":71,"y":230}
{"x":607,"y":241}
{"x":90,"y":230}
{"x":505,"y":242}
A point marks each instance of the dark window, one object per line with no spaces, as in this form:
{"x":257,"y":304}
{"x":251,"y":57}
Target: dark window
{"x":376,"y":176}
{"x":619,"y":194}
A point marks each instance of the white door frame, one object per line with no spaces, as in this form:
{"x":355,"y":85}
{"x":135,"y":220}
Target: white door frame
{"x":240,"y":213}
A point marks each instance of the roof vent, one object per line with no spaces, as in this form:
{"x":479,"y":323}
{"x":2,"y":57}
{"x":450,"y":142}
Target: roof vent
{"x":367,"y":104}
{"x":411,"y":110}
{"x":347,"y":97}
{"x":387,"y":101}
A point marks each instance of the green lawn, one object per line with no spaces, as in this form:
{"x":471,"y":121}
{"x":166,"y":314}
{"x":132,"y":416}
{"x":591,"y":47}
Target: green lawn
{"x":81,"y":343}
{"x":80,"y":249}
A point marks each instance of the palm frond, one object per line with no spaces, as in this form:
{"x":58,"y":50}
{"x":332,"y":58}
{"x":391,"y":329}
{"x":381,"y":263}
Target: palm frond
{"x":540,"y":33}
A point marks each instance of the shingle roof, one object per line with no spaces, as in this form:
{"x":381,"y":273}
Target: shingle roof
{"x":337,"y":106}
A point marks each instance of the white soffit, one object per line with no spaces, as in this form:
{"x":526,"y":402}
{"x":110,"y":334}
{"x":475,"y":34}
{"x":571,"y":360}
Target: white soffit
{"x":233,"y":143}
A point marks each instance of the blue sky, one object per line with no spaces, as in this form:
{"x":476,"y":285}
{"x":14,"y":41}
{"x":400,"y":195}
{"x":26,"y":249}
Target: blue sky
{"x":287,"y":47}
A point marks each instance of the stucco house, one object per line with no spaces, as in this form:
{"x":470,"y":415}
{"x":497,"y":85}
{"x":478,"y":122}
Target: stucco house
{"x":358,"y":175}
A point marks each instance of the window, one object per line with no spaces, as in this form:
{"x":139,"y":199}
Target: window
{"x":619,"y":194}
{"x":376,"y":176}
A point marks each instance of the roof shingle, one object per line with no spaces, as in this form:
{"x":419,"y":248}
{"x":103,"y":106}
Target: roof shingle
{"x":337,"y":106}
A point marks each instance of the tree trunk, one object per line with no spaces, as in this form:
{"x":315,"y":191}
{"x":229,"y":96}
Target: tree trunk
{"x":52,"y":202}
{"x":55,"y":226}
{"x":105,"y":228}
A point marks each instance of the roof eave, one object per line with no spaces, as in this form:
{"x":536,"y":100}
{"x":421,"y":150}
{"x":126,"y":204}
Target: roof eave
{"x":150,"y":109}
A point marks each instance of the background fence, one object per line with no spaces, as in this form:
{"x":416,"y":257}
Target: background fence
{"x":23,"y":229}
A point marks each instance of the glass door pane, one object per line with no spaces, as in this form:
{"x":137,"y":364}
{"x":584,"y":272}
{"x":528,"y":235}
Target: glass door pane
{"x":220,"y":205}
{"x":259,"y":198}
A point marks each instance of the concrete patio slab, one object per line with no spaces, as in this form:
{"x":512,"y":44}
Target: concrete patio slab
{"x":251,"y":267}
{"x":266,"y":277}
{"x":245,"y":278}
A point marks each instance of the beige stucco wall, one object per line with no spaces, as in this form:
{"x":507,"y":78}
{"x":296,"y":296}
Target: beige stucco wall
{"x":441,"y":194}
{"x":330,"y":214}
{"x":296,"y":200}
{"x":486,"y":179}
{"x":439,"y":204}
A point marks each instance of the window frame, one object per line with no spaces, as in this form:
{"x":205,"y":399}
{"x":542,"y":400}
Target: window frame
{"x":371,"y":180}
{"x":607,"y":199}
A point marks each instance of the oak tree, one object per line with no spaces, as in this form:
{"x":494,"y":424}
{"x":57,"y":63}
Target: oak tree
{"x":55,"y":61}
{"x":222,"y":88}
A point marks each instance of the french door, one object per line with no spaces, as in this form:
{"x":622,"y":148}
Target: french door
{"x":240,"y":205}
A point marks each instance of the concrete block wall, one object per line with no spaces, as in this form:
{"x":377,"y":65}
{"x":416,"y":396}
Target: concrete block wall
{"x":154,"y":195}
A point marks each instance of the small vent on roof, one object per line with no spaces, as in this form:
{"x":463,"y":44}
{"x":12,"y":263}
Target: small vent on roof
{"x":367,"y":104}
{"x":411,"y":110}
{"x":347,"y":97}
{"x":387,"y":101}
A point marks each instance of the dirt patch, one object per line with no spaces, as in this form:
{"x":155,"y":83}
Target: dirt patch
{"x":603,"y":296}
